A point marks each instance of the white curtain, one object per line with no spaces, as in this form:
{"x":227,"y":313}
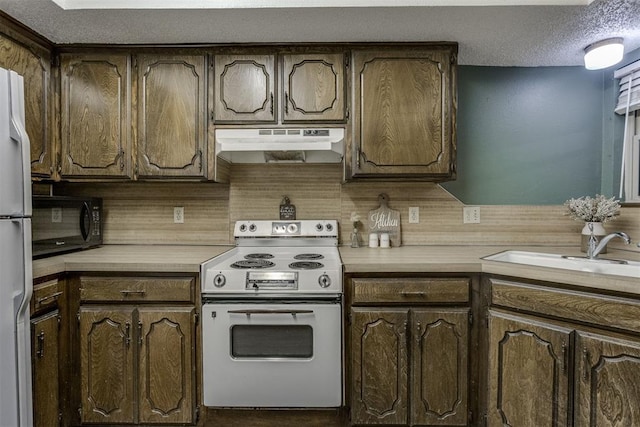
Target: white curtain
{"x":627,"y":105}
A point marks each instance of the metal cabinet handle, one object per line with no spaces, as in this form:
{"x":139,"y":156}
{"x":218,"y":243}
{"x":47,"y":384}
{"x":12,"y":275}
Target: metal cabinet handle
{"x":565,"y":358}
{"x":127,"y":334}
{"x":286,"y":102}
{"x":140,"y":333}
{"x":418,"y":332}
{"x":40,"y":351}
{"x":586,"y":360}
{"x":413,"y":294}
{"x":271,"y":105}
{"x":250,"y":312}
{"x":42,"y":300}
{"x":127,"y":292}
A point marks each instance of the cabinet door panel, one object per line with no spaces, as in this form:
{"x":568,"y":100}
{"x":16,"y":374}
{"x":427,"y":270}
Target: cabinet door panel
{"x":45,"y":347}
{"x":313,"y":87}
{"x":95,"y":116}
{"x":245,"y":88}
{"x":106,"y":359}
{"x":528,"y":372}
{"x":171,"y":116}
{"x":36,"y":69}
{"x":440,"y":342}
{"x":404,"y":109}
{"x":379,"y":366}
{"x":608,"y":381}
{"x":166,"y":378}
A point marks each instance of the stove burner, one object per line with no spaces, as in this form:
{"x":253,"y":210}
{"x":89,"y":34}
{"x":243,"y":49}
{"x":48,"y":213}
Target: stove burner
{"x":305,"y":265}
{"x":308,"y":256}
{"x":252,"y":263}
{"x":258,"y":255}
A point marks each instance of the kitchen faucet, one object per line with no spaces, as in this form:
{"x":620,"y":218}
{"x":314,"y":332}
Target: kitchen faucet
{"x":595,"y":248}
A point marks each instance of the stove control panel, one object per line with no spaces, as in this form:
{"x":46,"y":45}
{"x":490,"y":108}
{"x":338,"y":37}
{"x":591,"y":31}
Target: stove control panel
{"x":296,"y":228}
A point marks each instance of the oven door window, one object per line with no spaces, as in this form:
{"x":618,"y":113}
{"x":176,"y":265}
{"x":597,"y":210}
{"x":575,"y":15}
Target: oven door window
{"x":272,"y":341}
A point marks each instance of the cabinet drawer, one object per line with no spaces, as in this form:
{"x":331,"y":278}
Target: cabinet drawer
{"x":410,"y":290}
{"x":616,"y":312}
{"x":46,"y":295}
{"x":136,"y":289}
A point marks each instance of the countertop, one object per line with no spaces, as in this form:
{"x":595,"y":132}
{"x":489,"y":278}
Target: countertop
{"x":405,"y":259}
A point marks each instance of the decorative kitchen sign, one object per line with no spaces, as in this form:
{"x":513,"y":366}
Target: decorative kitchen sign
{"x":287,"y":210}
{"x":385,"y":220}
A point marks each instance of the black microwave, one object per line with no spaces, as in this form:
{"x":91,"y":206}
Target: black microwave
{"x":63,"y":224}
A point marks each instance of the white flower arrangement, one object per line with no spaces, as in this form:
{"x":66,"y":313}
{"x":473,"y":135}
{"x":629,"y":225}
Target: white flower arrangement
{"x":355,"y":219}
{"x":593,"y":209}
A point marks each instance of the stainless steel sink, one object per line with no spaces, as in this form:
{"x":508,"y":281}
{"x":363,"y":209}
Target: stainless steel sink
{"x":575,"y":263}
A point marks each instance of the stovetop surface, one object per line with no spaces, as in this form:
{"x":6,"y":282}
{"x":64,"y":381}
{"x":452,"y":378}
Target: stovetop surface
{"x":282,"y":257}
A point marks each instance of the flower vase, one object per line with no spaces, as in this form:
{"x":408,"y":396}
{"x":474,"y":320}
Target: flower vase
{"x":598,"y":231}
{"x":355,"y":238}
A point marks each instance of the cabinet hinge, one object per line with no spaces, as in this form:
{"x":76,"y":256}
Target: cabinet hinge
{"x":349,"y":318}
{"x":80,"y":411}
{"x":196,"y":316}
{"x":134,"y":62}
{"x":211,"y":117}
{"x":348,"y":114}
{"x":78,"y":316}
{"x":197,"y":414}
{"x":346,"y":60}
{"x":470,"y":318}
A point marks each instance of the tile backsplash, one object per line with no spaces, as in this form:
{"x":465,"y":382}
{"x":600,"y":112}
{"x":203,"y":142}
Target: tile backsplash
{"x":142,"y":212}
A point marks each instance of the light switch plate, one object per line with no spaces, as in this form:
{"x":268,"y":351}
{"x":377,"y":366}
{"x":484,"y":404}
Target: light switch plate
{"x":471,"y":215}
{"x":178,"y":215}
{"x":414,"y":215}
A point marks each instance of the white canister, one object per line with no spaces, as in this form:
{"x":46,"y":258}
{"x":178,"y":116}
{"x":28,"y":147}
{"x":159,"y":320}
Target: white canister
{"x":384,"y":240}
{"x":373,"y":240}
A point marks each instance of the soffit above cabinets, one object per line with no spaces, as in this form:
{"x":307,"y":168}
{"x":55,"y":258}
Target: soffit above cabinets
{"x":498,"y":33}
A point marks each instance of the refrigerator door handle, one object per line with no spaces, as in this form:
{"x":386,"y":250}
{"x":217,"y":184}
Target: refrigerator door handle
{"x":18,"y":133}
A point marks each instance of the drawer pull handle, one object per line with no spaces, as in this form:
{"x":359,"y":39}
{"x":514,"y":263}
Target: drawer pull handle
{"x":126,"y":292}
{"x":413,"y":294}
{"x":48,"y":297}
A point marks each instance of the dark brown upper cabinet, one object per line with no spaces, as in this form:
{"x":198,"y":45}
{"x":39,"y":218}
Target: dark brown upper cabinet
{"x":172,"y":116}
{"x":404,"y":113}
{"x":96,"y":116}
{"x":287,"y":88}
{"x":34,"y":65}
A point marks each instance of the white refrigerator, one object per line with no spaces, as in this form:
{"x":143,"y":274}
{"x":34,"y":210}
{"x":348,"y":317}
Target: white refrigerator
{"x":16,"y":275}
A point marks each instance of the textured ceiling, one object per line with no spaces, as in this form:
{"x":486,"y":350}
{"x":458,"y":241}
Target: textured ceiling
{"x":487,"y":35}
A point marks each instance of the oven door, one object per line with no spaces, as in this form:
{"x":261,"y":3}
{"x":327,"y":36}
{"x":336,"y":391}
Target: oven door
{"x":283,"y":355}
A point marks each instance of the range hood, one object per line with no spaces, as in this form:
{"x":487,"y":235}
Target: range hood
{"x":280,"y":145}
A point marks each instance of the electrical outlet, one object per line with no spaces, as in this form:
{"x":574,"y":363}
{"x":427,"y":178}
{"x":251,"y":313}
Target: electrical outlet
{"x":414,"y":215}
{"x":56,"y":215}
{"x":178,"y":215}
{"x":471,"y":215}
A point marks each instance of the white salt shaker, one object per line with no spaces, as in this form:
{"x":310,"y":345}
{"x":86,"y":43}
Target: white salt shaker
{"x":384,"y":240}
{"x":373,"y":240}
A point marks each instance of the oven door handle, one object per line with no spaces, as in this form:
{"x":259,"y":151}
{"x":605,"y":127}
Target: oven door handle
{"x":250,"y":312}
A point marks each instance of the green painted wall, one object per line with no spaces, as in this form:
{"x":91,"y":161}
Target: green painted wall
{"x":528,"y":135}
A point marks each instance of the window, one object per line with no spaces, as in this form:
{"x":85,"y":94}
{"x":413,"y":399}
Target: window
{"x":629,"y":106}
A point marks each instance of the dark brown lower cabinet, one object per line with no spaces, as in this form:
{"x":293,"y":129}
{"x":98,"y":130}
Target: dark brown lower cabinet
{"x":575,"y":361}
{"x":45,"y":348}
{"x":528,"y":372}
{"x":607,"y":381}
{"x":137,"y":364}
{"x":409,"y":366}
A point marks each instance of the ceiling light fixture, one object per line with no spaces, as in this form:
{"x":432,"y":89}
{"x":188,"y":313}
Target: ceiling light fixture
{"x":603,"y":54}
